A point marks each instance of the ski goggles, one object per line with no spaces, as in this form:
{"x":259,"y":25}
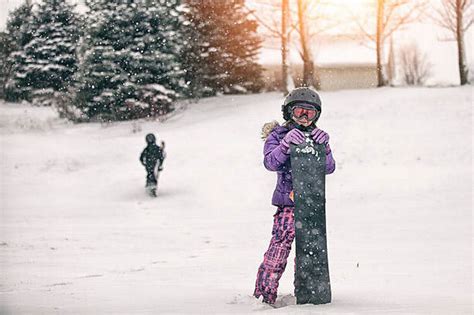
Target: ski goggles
{"x":298,"y":111}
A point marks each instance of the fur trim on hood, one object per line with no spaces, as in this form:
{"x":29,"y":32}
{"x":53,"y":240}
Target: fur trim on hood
{"x":267,"y":128}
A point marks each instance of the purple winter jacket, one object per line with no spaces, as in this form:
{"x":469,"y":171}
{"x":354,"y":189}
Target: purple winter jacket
{"x":278,"y":160}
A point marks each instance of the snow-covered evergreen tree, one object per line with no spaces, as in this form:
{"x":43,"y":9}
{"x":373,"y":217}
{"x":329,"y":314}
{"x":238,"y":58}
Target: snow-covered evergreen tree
{"x":19,"y":32}
{"x":6,"y":48}
{"x":221,"y":48}
{"x":51,"y":54}
{"x":131,"y":63}
{"x":166,"y":36}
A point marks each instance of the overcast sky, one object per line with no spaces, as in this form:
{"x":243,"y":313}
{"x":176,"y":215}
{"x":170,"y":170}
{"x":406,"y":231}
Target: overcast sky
{"x":7,"y":6}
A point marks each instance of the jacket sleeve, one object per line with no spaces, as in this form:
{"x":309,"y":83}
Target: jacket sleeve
{"x":275,"y":154}
{"x":142,"y":157}
{"x":330,"y":163}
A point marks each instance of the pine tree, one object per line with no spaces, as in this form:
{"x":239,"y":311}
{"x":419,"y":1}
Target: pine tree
{"x":221,"y":48}
{"x":131,"y":63}
{"x":6,"y":48}
{"x":157,"y":72}
{"x":19,"y":32}
{"x":102,"y":81}
{"x":51,"y":54}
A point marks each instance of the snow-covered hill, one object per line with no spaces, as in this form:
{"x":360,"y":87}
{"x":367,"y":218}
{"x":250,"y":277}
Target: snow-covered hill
{"x":78,"y":234}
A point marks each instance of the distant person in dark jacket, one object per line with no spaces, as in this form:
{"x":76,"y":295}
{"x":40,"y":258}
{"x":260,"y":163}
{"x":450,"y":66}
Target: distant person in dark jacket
{"x":152,"y":158}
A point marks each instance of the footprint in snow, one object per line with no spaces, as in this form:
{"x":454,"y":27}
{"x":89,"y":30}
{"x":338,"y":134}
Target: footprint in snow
{"x":282,"y":301}
{"x":158,"y":262}
{"x":90,"y":276}
{"x":58,"y":284}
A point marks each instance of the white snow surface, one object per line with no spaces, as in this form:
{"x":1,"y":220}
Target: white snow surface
{"x":78,"y":234}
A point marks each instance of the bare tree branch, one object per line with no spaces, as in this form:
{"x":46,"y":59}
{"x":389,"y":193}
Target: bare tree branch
{"x":362,"y":28}
{"x":272,"y":30}
{"x":446,"y":15}
{"x":457,"y":16}
{"x":409,"y":17}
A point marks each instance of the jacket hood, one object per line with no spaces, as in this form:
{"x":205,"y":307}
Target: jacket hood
{"x":268,"y":128}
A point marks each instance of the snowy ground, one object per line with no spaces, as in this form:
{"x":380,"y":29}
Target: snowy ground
{"x":78,"y":235}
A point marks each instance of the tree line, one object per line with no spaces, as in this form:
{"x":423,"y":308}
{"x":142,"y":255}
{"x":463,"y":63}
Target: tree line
{"x":126,"y":59}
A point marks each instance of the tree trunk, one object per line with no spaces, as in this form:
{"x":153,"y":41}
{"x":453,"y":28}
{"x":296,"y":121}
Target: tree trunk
{"x":391,"y":70}
{"x":463,"y":70}
{"x":284,"y":45}
{"x":309,"y":78}
{"x":379,"y":42}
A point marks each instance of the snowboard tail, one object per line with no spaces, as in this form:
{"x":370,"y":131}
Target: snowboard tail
{"x":308,"y":166}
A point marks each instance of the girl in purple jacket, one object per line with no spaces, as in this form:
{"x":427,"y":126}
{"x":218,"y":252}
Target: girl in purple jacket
{"x":301,"y":110}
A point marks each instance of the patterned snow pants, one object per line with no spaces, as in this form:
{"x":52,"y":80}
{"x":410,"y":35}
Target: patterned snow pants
{"x":274,"y":260}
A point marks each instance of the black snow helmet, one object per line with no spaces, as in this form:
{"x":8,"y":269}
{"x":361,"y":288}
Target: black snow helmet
{"x":150,"y":138}
{"x":305,"y":95}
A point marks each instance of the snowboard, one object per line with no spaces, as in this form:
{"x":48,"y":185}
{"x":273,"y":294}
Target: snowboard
{"x":308,"y":167}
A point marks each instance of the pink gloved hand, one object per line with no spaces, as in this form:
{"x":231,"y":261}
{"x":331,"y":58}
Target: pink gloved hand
{"x":295,"y":136}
